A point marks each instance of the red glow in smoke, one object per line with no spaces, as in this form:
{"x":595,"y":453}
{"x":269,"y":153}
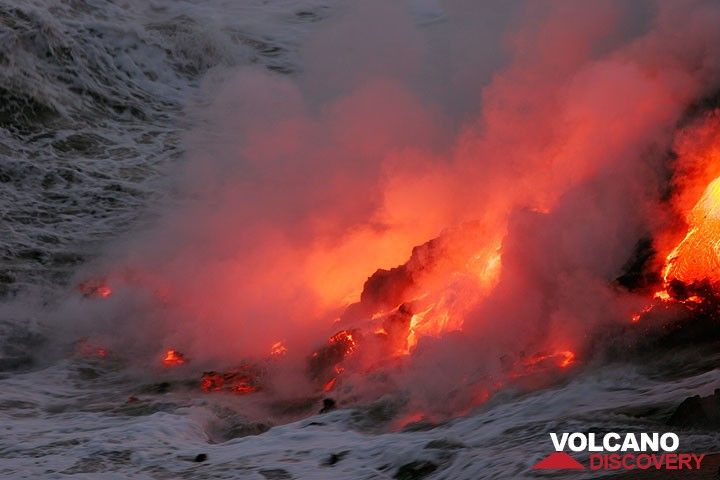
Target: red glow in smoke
{"x":374,"y":212}
{"x":87,"y":349}
{"x":278,"y":349}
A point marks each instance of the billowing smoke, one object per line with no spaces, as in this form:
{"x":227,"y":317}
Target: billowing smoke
{"x":527,"y":141}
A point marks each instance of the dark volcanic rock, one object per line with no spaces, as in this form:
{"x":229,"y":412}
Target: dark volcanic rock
{"x":275,"y":474}
{"x":636,"y":272}
{"x":415,"y":470}
{"x":441,"y":256}
{"x":328,"y":405}
{"x":386,"y":287}
{"x":700,"y":412}
{"x":444,"y":444}
{"x":335,"y":458}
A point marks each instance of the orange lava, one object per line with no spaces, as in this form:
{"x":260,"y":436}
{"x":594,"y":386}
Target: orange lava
{"x":211,"y":382}
{"x":278,"y":349}
{"x":346,"y":339}
{"x":696,"y":256}
{"x":443,"y":310}
{"x":240,"y":381}
{"x":567,"y":359}
{"x":173,"y":358}
{"x":546,"y":361}
{"x":694,"y":252}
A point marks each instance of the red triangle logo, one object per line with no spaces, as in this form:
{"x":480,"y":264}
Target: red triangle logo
{"x":558,"y":461}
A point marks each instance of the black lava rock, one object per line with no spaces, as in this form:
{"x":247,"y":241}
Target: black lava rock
{"x":328,"y":405}
{"x":415,"y":470}
{"x":698,"y":412}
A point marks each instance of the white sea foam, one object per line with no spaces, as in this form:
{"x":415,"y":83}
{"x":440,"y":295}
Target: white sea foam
{"x":56,"y":424}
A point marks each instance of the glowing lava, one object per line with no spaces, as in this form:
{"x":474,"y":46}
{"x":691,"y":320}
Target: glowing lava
{"x":242,"y":380}
{"x":692,"y":267}
{"x":346,"y":339}
{"x":95,"y":288}
{"x":330,"y":384}
{"x":545,"y":361}
{"x":278,"y":349}
{"x":173,"y":358}
{"x":697,"y":256}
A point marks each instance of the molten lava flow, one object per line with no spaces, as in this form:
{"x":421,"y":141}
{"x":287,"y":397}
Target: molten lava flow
{"x":330,"y":384}
{"x":173,"y":358}
{"x":544,"y":361}
{"x":695,"y":260}
{"x":324,"y":363}
{"x":568,"y":358}
{"x":697,"y":256}
{"x":443,"y":311}
{"x":433,"y":291}
{"x":242,"y":380}
{"x":346,"y":340}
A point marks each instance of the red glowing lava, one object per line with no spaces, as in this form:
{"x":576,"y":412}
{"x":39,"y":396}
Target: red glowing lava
{"x":242,"y":380}
{"x":95,"y":288}
{"x":346,"y":340}
{"x":87,"y":349}
{"x":330,"y":384}
{"x":693,"y":257}
{"x":696,"y":256}
{"x":278,"y":349}
{"x":324,"y":363}
{"x":173,"y":358}
{"x":540,"y":362}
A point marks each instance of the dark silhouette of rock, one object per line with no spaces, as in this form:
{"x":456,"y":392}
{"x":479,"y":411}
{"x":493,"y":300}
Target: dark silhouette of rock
{"x":415,"y":470}
{"x":328,"y":405}
{"x":698,"y":412}
{"x":443,"y":255}
{"x":638,"y":272}
{"x":444,"y":444}
{"x":200,"y":457}
{"x":275,"y":474}
{"x":335,"y":458}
